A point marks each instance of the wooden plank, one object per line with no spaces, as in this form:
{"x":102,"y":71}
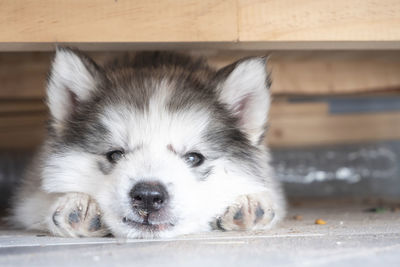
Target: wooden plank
{"x":224,"y":24}
{"x":8,"y":123}
{"x":209,"y":45}
{"x":319,"y":20}
{"x":280,"y":109}
{"x":23,"y":75}
{"x":325,"y":72}
{"x":24,"y":138}
{"x":321,"y":129}
{"x":118,"y":21}
{"x":10,"y":107}
{"x":22,"y":131}
{"x":334,"y":72}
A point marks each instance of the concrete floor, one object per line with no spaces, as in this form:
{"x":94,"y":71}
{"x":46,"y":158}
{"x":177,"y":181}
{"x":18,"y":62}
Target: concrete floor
{"x":350,"y":237}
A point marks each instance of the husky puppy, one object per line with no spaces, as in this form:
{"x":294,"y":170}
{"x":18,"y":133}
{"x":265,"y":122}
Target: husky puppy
{"x":153,"y":146}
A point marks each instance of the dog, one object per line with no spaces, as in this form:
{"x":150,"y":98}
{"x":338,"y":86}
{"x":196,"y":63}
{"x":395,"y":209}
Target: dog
{"x":154,"y":145}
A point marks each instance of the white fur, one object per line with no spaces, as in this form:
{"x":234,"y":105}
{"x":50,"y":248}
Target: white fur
{"x":147,"y":137}
{"x":68,"y":75}
{"x":193,"y":203}
{"x":245,"y":92}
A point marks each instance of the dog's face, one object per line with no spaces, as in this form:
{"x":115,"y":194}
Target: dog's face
{"x":162,"y":142}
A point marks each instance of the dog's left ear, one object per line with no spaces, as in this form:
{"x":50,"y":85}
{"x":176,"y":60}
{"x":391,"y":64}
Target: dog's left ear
{"x":244,"y":88}
{"x":73,"y":79}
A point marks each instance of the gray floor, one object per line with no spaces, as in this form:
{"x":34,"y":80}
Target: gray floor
{"x":351,"y":237}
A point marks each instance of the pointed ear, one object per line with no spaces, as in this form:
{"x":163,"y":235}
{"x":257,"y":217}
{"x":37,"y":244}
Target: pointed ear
{"x":73,"y":78}
{"x":244,"y":88}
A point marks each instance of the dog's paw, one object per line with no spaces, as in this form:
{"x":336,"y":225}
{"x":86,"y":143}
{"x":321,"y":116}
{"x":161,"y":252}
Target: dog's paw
{"x":249,"y":212}
{"x":76,"y":215}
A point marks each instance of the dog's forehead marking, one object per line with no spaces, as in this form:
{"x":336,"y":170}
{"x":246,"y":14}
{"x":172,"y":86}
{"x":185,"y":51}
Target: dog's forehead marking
{"x":171,"y":148}
{"x":156,"y":125}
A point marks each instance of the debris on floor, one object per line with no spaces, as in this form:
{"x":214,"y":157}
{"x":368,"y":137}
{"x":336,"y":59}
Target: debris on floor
{"x":297,"y":217}
{"x":376,"y":210}
{"x":320,"y":221}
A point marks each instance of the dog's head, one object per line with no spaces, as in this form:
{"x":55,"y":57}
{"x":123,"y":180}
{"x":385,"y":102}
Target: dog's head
{"x":161,"y":141}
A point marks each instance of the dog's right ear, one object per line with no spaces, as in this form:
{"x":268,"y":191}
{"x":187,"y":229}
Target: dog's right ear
{"x":73,"y":78}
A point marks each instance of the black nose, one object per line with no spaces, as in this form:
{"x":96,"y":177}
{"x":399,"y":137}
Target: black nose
{"x":148,"y":196}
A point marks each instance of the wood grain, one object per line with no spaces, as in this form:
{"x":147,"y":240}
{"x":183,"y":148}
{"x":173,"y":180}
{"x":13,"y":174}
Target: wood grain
{"x":28,"y":138}
{"x":330,"y":73}
{"x":118,"y":21}
{"x":282,"y":109}
{"x":23,"y":75}
{"x":322,"y":129}
{"x":319,"y":20}
{"x":10,"y":107}
{"x":22,"y":131}
{"x":224,"y":24}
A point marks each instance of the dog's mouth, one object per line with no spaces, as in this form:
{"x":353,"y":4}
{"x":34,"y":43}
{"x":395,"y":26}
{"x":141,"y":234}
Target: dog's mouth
{"x":147,"y":226}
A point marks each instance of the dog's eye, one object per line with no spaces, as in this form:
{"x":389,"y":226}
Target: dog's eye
{"x":194,"y":159}
{"x":114,"y":156}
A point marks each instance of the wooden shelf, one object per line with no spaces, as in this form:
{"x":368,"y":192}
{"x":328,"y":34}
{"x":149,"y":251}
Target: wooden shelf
{"x":118,"y":21}
{"x":27,"y":25}
{"x":319,"y":20}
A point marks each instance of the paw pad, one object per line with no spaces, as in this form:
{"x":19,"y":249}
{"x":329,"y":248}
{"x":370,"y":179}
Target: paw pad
{"x":74,"y":217}
{"x":95,"y":223}
{"x":249,"y":212}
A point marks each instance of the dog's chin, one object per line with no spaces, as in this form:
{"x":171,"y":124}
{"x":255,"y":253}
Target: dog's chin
{"x":147,"y":229}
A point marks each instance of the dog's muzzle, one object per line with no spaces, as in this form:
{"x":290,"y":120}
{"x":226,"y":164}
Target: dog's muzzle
{"x":150,"y":205}
{"x":148,"y":198}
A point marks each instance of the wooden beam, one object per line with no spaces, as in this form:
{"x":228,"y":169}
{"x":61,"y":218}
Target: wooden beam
{"x":319,"y":20}
{"x":315,"y":129}
{"x":209,"y":46}
{"x":24,"y":121}
{"x":281,"y":109}
{"x":332,"y":73}
{"x":12,"y":107}
{"x":27,"y":138}
{"x":51,"y":21}
{"x":27,"y":25}
{"x":23,"y":75}
{"x":324,"y":72}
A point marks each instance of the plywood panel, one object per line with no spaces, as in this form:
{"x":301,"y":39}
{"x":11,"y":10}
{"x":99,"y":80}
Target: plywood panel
{"x":319,"y":20}
{"x":334,"y":72}
{"x":324,"y":72}
{"x":22,"y":131}
{"x":23,"y":75}
{"x":10,"y":107}
{"x":118,"y":21}
{"x":323,"y":129}
{"x":25,"y":139}
{"x":281,"y":109}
